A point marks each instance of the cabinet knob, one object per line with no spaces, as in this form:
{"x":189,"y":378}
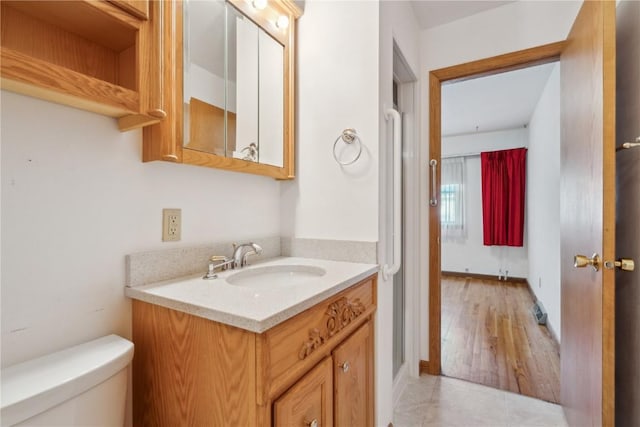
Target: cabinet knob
{"x":346,"y":366}
{"x":313,"y":423}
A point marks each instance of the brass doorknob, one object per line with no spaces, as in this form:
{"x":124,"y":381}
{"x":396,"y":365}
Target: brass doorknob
{"x":313,"y":423}
{"x":345,"y":366}
{"x":623,"y":264}
{"x":581,"y":261}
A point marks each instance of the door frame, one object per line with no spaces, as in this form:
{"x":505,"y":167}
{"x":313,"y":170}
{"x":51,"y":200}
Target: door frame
{"x":470,"y":70}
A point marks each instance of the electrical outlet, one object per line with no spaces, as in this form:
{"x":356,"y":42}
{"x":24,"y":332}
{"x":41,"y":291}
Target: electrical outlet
{"x":171,"y":224}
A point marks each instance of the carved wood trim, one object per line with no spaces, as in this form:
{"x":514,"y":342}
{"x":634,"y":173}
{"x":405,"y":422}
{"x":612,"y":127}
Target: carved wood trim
{"x":339,"y":314}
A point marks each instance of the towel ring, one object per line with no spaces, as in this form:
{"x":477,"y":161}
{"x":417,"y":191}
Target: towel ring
{"x":348,"y":136}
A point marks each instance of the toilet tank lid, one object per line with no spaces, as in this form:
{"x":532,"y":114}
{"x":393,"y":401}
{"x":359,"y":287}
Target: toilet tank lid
{"x":31,"y":387}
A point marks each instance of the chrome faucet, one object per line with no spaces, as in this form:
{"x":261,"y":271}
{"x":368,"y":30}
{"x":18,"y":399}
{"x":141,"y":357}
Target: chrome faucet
{"x":240,"y":255}
{"x":238,"y":260}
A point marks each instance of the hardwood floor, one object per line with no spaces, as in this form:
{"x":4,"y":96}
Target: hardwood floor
{"x":489,"y":336}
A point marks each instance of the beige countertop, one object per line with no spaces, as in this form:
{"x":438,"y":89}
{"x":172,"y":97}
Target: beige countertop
{"x":259,"y":306}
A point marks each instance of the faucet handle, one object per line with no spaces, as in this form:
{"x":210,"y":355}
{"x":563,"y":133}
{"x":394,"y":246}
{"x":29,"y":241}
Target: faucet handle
{"x":217,"y":262}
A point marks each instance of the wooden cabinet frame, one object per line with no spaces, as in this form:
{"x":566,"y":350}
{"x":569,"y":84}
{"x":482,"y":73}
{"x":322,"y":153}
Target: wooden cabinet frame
{"x":165,"y":141}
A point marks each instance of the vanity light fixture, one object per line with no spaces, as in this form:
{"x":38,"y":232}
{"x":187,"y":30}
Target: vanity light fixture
{"x":282,"y":22}
{"x":259,"y":4}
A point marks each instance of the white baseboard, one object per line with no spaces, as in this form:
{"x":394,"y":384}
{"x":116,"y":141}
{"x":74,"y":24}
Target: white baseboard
{"x":553,"y":332}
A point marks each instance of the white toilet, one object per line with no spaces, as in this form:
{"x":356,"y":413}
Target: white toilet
{"x":85,"y":385}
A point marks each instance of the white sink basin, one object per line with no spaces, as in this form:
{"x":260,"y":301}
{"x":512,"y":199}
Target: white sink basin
{"x":276,"y":276}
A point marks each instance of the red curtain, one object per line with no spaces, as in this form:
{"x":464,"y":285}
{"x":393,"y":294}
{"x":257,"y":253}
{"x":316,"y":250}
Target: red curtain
{"x":503,"y":186}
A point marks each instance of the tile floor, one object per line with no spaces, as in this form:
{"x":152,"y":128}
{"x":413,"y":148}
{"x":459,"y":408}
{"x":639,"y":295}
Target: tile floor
{"x":441,"y":401}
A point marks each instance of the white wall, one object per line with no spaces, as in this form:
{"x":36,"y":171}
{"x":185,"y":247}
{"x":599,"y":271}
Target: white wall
{"x":543,"y":200}
{"x":76,"y":198}
{"x":471,"y":255}
{"x":484,"y":141}
{"x":337,"y":80}
{"x":515,"y":26}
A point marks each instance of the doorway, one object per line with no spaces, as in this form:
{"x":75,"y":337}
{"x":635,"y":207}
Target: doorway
{"x":587,"y":206}
{"x":490,"y":288}
{"x":502,"y":63}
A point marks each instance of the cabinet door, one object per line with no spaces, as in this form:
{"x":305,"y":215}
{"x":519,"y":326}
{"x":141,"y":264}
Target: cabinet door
{"x":353,"y":379}
{"x":310,"y":401}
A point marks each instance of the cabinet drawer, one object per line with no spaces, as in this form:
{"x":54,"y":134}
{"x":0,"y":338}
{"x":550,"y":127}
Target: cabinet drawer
{"x":293,"y":347}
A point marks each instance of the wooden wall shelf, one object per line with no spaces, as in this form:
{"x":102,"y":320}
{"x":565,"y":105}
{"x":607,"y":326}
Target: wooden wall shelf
{"x":30,"y":76}
{"x":86,"y":54}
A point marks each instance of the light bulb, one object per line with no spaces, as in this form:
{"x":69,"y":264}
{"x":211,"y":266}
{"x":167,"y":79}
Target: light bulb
{"x":259,"y":4}
{"x":282,"y":22}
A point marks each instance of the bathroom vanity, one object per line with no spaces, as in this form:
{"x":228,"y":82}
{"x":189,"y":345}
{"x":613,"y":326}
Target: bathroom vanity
{"x":258,"y":348}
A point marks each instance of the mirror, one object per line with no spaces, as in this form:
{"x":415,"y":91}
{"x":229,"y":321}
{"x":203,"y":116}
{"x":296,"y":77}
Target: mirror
{"x":237,"y":88}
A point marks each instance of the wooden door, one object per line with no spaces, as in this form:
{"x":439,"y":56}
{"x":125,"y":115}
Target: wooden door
{"x":310,"y":401}
{"x":353,"y":379}
{"x":588,"y":216}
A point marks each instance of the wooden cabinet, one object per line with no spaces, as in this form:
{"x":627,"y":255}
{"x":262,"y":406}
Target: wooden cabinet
{"x":353,"y":379}
{"x":188,"y":370}
{"x":183,"y":138}
{"x":139,"y":8}
{"x":338,"y":391}
{"x":93,"y":55}
{"x":310,"y":401}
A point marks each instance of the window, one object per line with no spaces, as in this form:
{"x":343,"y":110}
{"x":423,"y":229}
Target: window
{"x":449,"y":212}
{"x":452,"y":209}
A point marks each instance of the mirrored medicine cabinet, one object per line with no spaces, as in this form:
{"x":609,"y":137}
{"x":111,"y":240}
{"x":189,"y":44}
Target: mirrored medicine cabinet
{"x":233,"y":83}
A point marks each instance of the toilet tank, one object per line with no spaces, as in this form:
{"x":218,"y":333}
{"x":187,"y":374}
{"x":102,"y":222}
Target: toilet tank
{"x":81,"y":385}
